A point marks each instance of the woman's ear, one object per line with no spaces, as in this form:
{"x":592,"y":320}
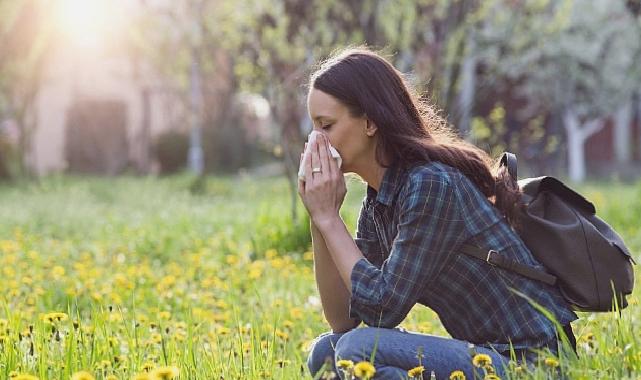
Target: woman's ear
{"x":370,"y":128}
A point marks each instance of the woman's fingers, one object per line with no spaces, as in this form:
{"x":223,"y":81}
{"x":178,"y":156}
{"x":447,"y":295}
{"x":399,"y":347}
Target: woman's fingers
{"x":323,"y":152}
{"x":308,"y":168}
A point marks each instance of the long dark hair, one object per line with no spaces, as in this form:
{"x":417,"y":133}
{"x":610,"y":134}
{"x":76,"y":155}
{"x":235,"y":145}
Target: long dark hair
{"x":410,"y":129}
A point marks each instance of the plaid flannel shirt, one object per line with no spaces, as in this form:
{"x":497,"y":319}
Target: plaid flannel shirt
{"x":409,"y":232}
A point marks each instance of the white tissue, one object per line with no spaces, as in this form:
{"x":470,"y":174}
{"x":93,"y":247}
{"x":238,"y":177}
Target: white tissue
{"x":310,"y":141}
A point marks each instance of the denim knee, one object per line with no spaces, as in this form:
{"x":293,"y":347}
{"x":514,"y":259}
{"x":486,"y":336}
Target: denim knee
{"x":356,"y":345}
{"x":322,"y":350}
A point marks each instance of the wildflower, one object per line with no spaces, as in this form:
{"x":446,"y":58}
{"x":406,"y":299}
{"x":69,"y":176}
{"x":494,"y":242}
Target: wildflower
{"x":364,"y":370}
{"x":156,"y":338}
{"x":457,"y":375}
{"x":296,"y":312}
{"x":416,"y":371}
{"x":551,"y":362}
{"x":345,"y":364}
{"x":282,"y":334}
{"x":288,"y":324}
{"x":165,"y":373}
{"x":82,"y":375}
{"x":271,"y":253}
{"x":481,"y":360}
{"x":24,"y":377}
{"x":55,"y":317}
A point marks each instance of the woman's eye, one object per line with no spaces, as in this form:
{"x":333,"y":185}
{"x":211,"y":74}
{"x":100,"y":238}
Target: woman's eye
{"x":326,"y":126}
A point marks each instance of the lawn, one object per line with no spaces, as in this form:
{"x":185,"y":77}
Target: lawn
{"x":127,"y":277}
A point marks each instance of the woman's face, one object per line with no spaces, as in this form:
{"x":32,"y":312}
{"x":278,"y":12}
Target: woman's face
{"x":351,"y":136}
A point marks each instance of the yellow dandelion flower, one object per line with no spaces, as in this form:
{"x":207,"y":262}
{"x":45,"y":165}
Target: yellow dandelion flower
{"x":416,"y":371}
{"x":255,"y":272}
{"x":58,"y":271}
{"x":296,"y":312}
{"x":282,"y":334}
{"x":82,"y":375}
{"x":24,"y":377}
{"x":288,"y":324}
{"x":165,"y":373}
{"x":156,"y":338}
{"x":345,"y":364}
{"x":457,"y":375}
{"x":271,"y":253}
{"x":364,"y":370}
{"x":231,"y":259}
{"x":481,"y":360}
{"x":55,"y":317}
{"x":551,"y":362}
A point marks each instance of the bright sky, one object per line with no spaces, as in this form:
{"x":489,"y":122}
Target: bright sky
{"x":89,"y":23}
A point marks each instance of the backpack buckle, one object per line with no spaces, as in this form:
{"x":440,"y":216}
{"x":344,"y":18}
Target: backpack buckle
{"x":489,"y":256}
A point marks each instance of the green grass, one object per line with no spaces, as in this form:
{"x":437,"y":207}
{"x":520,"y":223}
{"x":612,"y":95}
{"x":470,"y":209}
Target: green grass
{"x":217,"y":282}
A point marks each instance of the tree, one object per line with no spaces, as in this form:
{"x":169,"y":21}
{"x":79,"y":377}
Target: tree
{"x":281,"y":39}
{"x":24,"y":43}
{"x":573,"y":58}
{"x":189,"y":46}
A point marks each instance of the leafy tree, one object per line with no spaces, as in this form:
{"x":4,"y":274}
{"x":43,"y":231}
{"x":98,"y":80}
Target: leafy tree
{"x":574,"y":59}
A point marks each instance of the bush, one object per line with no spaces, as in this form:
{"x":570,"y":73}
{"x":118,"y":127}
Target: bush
{"x":171,"y":149}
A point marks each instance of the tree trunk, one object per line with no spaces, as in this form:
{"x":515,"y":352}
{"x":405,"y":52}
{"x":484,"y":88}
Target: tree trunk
{"x":638,"y":142}
{"x":623,"y":133}
{"x":577,"y":134}
{"x":468,"y":83}
{"x":195,"y":157}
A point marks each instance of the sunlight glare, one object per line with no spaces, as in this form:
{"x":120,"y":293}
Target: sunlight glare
{"x":86,"y":23}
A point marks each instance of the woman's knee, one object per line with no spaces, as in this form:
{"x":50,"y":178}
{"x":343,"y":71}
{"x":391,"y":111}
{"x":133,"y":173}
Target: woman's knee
{"x":322,"y":350}
{"x":358,"y":344}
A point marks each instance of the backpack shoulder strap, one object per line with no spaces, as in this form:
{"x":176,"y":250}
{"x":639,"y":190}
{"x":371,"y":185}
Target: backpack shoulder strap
{"x":493,"y":257}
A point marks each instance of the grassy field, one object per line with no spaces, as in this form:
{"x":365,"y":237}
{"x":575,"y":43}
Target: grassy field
{"x":127,"y":278}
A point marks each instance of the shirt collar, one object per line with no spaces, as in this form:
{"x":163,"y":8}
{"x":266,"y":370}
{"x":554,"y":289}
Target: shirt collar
{"x":389,"y":186}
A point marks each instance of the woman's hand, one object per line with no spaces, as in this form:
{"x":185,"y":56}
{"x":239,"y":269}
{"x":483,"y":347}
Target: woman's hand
{"x":322,"y":192}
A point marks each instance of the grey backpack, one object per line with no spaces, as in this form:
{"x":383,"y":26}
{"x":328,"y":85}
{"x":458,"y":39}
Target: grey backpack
{"x":582,"y":254}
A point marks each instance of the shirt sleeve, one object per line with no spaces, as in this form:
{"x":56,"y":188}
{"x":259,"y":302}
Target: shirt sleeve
{"x":366,"y":237}
{"x":429,"y":228}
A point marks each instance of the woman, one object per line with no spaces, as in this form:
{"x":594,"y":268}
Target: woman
{"x":427,"y":193}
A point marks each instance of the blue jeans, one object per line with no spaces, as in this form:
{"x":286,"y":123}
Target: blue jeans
{"x":397,"y":351}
